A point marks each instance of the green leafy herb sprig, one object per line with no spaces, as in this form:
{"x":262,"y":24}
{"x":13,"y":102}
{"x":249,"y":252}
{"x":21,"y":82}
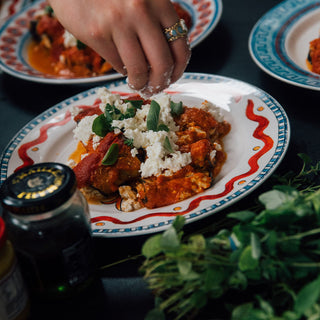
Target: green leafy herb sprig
{"x":103,"y":123}
{"x":266,"y":266}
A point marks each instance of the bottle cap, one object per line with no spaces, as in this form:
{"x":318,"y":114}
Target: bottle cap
{"x":38,"y":188}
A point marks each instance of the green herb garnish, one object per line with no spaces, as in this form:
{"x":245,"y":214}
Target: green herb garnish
{"x":163,"y":127}
{"x":80,"y":45}
{"x":128,"y":142}
{"x":167,"y":145}
{"x":176,"y":108}
{"x":137,"y":104}
{"x":101,"y":126}
{"x":48,"y":10}
{"x":153,"y":116}
{"x":103,"y":123}
{"x":111,"y":155}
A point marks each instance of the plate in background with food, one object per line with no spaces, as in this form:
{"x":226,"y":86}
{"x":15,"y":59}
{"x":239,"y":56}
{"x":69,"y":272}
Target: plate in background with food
{"x":17,"y":59}
{"x":255,"y":145}
{"x":279,"y":43}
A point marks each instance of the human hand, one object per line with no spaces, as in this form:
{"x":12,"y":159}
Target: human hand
{"x":129,"y":35}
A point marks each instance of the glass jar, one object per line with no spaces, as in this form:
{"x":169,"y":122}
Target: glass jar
{"x":48,"y":222}
{"x":14,"y":301}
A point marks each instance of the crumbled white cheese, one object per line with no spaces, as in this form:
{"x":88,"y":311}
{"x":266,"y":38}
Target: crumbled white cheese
{"x":74,"y":110}
{"x":95,"y":141}
{"x":213,"y":154}
{"x":217,"y":146}
{"x":214,"y":110}
{"x":158,"y":158}
{"x":113,"y":99}
{"x":71,"y":163}
{"x":39,"y":13}
{"x":83,"y":131}
{"x":84,"y":155}
{"x":69,"y":39}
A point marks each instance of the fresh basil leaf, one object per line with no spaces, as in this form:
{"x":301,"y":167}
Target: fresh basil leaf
{"x":80,"y":45}
{"x":153,"y":116}
{"x":111,"y":155}
{"x":101,"y":126}
{"x":130,"y":112}
{"x":163,"y":127}
{"x":48,"y":10}
{"x":167,"y":145}
{"x":176,"y":108}
{"x":129,"y":142}
{"x":112,"y":113}
{"x":137,"y":104}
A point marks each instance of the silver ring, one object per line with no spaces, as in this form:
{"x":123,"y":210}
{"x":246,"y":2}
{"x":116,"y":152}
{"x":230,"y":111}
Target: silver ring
{"x":176,"y":31}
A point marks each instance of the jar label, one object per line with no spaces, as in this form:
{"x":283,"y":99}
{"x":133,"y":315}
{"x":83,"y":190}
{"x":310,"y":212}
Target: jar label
{"x":13,"y":294}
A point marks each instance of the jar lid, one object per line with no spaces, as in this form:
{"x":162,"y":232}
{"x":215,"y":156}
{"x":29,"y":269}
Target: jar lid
{"x":38,"y":188}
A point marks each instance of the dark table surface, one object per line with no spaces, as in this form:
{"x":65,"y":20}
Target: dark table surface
{"x":122,"y":294}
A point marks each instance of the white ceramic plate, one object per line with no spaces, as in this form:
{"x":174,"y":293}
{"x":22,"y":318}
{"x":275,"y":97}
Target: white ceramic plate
{"x":15,"y":37}
{"x":255,"y":146}
{"x":279,"y":41}
{"x":10,"y":7}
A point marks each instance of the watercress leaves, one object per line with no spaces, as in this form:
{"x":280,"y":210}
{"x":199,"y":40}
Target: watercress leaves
{"x":274,"y":264}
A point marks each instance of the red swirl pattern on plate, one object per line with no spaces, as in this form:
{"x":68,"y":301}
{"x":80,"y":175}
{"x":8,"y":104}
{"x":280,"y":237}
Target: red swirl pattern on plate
{"x":43,"y":136}
{"x":253,"y":163}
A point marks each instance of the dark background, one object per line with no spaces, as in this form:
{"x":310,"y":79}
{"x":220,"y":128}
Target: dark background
{"x":123,"y":294}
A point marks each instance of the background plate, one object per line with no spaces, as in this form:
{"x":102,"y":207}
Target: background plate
{"x":15,"y":37}
{"x":279,"y":42}
{"x":256,"y":144}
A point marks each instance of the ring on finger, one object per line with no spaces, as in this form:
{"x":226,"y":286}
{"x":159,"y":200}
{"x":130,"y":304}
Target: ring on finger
{"x":176,"y":31}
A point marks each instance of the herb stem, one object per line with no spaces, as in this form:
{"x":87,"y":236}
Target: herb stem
{"x":306,"y":264}
{"x":301,"y":235}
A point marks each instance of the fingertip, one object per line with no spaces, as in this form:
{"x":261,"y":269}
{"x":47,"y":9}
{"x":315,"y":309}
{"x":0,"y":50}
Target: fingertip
{"x":182,"y":58}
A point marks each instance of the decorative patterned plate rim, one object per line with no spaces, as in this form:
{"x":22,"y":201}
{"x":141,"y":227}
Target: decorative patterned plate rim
{"x":272,"y":125}
{"x":206,"y":13}
{"x":267,"y":43}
